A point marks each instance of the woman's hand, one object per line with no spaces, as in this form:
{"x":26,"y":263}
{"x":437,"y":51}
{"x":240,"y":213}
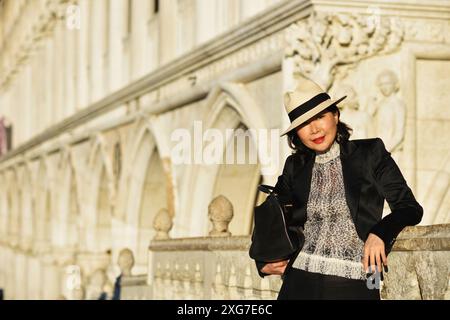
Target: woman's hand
{"x":275,"y":267}
{"x":374,"y":253}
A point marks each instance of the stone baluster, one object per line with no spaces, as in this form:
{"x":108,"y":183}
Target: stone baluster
{"x":248,"y":284}
{"x":158,"y":287}
{"x":187,"y":283}
{"x":220,"y":212}
{"x":266,"y":293}
{"x":176,"y":283}
{"x":276,"y":289}
{"x":167,"y":293}
{"x":219,"y":290}
{"x":198,"y":283}
{"x":232,"y":285}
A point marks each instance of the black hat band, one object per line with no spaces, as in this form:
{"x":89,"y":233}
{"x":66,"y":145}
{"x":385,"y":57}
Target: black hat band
{"x":308,"y":105}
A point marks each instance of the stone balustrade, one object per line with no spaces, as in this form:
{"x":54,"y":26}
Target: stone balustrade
{"x":220,"y":268}
{"x":207,"y":268}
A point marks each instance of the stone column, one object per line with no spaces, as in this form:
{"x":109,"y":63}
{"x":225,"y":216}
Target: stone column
{"x":152,"y":42}
{"x":167,"y":30}
{"x":59,"y":71}
{"x":185,"y":26}
{"x":138,"y":41}
{"x":205,"y":22}
{"x":39,"y":80}
{"x":48,"y":82}
{"x":26,"y":91}
{"x":70,"y":36}
{"x":83,"y":45}
{"x":116,"y":34}
{"x":97,"y":16}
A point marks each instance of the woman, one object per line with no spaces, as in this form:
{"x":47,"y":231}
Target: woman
{"x":337,"y":188}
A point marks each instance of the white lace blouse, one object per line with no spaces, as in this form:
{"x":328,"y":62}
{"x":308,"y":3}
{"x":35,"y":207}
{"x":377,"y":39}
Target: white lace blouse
{"x":332,"y":245}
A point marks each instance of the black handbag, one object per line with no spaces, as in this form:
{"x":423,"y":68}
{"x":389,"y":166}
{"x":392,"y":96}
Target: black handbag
{"x":273,"y":237}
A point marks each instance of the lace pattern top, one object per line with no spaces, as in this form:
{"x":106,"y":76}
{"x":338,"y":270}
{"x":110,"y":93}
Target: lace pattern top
{"x":332,"y":245}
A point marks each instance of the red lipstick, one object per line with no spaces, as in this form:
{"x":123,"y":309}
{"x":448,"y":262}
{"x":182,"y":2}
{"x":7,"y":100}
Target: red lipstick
{"x":319,"y":140}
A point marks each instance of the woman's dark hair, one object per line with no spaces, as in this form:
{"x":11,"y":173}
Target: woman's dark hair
{"x":301,"y":151}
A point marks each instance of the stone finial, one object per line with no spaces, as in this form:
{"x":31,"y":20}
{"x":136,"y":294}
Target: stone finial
{"x":126,"y":261}
{"x":220,"y":212}
{"x":162,"y":225}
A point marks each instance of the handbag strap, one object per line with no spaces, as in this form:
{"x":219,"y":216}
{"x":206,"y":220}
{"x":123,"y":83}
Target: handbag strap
{"x":265,"y":188}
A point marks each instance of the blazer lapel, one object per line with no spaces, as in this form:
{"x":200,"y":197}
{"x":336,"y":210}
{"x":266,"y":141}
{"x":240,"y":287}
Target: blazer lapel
{"x":302,"y":186}
{"x":351,"y":171}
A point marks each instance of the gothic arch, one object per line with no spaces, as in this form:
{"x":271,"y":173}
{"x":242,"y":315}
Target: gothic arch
{"x":230,"y":106}
{"x":99,"y":184}
{"x":99,"y":156}
{"x":14,"y":204}
{"x":27,"y":218}
{"x":146,"y":171}
{"x":43,"y":206}
{"x":67,"y":198}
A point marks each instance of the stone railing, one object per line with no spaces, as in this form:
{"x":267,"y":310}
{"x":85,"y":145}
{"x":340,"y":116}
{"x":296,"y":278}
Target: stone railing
{"x":220,"y":268}
{"x":419,"y":265}
{"x":207,"y":268}
{"x":135,"y":288}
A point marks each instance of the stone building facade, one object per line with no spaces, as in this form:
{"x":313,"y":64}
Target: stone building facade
{"x":97,"y":93}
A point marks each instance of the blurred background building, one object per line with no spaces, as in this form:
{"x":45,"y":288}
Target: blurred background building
{"x":91,"y":92}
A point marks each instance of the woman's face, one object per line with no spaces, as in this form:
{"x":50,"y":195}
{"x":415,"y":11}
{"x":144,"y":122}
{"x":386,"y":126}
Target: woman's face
{"x":319,"y":132}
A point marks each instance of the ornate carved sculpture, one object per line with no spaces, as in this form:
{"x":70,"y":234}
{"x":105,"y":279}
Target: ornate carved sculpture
{"x":220,"y":212}
{"x":389,"y":111}
{"x":325,"y":40}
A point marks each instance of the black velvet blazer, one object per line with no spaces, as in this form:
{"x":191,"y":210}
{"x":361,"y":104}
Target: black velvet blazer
{"x":370,"y":176}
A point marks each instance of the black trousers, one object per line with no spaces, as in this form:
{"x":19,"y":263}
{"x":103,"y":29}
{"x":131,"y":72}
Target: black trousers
{"x":302,"y":285}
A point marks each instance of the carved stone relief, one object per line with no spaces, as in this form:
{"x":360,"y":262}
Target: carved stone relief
{"x":324,"y":41}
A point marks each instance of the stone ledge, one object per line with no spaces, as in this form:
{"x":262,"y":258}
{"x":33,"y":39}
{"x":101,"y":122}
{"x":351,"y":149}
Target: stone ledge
{"x":140,"y":280}
{"x":424,"y":238}
{"x":202,"y":244}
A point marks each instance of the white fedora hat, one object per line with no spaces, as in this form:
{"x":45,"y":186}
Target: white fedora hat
{"x":307,"y":100}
